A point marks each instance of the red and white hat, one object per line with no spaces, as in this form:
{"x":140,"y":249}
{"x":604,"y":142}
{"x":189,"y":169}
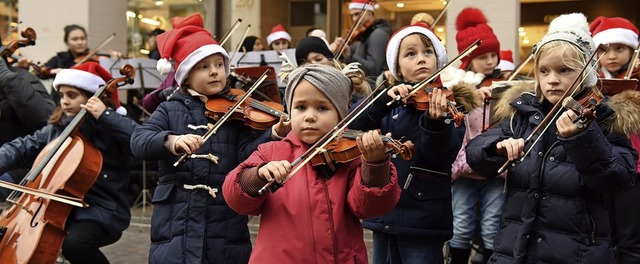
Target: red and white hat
{"x":614,"y":30}
{"x":88,"y":76}
{"x":359,"y":4}
{"x":506,"y":61}
{"x":472,"y":25}
{"x":393,"y":46}
{"x":185,"y":45}
{"x":277,"y":33}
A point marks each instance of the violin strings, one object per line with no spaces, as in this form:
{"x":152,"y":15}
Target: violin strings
{"x":557,"y":113}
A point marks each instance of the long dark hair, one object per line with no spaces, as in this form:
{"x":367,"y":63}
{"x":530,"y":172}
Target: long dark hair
{"x":69,"y":28}
{"x":56,"y":117}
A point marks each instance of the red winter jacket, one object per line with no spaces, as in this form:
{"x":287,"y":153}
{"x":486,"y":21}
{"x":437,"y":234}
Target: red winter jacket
{"x":310,"y":219}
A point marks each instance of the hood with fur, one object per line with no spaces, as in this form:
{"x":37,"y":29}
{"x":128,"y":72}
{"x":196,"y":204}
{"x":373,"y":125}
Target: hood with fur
{"x":626,"y":107}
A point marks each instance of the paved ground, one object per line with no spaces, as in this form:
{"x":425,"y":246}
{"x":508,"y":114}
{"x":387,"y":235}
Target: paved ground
{"x":133,"y":247}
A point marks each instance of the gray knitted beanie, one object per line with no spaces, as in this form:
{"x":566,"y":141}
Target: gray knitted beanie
{"x":329,"y":80}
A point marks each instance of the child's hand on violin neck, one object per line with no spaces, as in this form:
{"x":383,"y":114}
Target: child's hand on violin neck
{"x":567,"y":124}
{"x":188,"y":143}
{"x":283,"y":127}
{"x":94,"y":106}
{"x":275,"y":170}
{"x":437,"y":104}
{"x":372,"y":147}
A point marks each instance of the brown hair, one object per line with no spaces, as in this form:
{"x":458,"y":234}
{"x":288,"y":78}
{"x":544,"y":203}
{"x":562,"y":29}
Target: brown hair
{"x":69,"y":28}
{"x":56,"y":117}
{"x":426,"y":41}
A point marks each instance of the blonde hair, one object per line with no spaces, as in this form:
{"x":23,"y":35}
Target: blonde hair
{"x":356,"y":75}
{"x":571,"y":56}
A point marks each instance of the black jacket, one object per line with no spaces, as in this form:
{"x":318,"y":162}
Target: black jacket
{"x":555,"y":206}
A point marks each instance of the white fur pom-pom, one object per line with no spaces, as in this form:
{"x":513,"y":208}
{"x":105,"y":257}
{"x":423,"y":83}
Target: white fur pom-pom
{"x":569,"y":22}
{"x":163,"y":66}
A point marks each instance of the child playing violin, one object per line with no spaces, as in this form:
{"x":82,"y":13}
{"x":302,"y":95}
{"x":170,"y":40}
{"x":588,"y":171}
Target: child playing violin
{"x":622,"y":37}
{"x":108,"y":213}
{"x":416,"y":229}
{"x":190,"y":222}
{"x":556,"y":194}
{"x":472,"y":194}
{"x":316,"y":212}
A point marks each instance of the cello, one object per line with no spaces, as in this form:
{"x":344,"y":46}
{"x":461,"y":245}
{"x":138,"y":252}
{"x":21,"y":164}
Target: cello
{"x":33,"y":228}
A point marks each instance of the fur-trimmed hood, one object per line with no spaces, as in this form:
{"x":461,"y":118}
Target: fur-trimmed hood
{"x":625,"y":105}
{"x":465,"y":94}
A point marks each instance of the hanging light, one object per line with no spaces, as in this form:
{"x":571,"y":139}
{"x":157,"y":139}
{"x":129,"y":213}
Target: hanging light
{"x":159,"y":2}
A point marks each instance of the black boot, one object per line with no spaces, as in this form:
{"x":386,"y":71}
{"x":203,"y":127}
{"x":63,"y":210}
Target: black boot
{"x":486,"y":255}
{"x":459,"y":255}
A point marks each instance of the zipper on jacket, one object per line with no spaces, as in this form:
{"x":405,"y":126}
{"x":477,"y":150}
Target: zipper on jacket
{"x":592,"y":235}
{"x":333,"y":230}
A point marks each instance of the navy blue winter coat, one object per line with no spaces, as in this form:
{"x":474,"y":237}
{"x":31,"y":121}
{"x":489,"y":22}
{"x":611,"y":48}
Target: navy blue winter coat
{"x":107,"y":198}
{"x":555,"y":206}
{"x":190,"y":226}
{"x":424,"y":208}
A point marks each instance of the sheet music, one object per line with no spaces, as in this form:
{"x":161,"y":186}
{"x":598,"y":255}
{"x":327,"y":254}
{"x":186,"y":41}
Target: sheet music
{"x":271,"y":57}
{"x":146,"y":74}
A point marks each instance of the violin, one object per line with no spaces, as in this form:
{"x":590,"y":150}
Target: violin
{"x":360,"y":32}
{"x":255,"y":114}
{"x":420,"y":100}
{"x":9,"y":50}
{"x":345,"y":149}
{"x":584,"y":107}
{"x":230,"y":106}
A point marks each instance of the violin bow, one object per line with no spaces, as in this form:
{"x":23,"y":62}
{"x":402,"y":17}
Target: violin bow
{"x":632,"y":64}
{"x":317,"y":147}
{"x":352,"y":30}
{"x":424,"y":82}
{"x":555,"y":111}
{"x":444,"y":9}
{"x":94,"y":51}
{"x":244,"y":36}
{"x":227,"y":34}
{"x":51,"y":196}
{"x":226,"y":116}
{"x":520,"y":67}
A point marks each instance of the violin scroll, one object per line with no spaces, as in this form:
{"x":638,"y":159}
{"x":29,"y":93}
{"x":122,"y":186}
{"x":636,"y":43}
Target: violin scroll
{"x":585,"y":108}
{"x":128,"y":71}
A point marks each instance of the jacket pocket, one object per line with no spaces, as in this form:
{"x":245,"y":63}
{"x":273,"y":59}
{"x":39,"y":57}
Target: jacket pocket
{"x":425,"y":184}
{"x":162,"y":218}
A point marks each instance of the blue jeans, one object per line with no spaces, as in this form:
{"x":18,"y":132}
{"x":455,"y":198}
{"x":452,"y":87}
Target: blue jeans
{"x":395,"y":249}
{"x":467,"y":194}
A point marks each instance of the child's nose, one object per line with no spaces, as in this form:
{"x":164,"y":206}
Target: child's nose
{"x":310,"y":118}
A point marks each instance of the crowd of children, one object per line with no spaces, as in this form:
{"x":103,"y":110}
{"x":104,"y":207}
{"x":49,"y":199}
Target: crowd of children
{"x":565,"y":196}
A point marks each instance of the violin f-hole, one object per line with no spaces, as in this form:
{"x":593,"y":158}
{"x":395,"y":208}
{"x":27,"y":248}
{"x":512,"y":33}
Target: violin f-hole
{"x":33,"y":223}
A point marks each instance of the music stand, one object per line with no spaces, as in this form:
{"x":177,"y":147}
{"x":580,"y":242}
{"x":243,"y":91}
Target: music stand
{"x":253,"y":58}
{"x":146,"y":77}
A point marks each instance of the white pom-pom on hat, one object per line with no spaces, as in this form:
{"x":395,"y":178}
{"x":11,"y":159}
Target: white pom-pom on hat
{"x":164,"y":66}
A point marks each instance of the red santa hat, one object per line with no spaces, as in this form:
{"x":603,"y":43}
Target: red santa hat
{"x":614,"y":30}
{"x":506,"y":61}
{"x":88,"y":76}
{"x":393,"y":46}
{"x":185,"y":45}
{"x":277,"y":33}
{"x":359,"y":4}
{"x":472,"y":25}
